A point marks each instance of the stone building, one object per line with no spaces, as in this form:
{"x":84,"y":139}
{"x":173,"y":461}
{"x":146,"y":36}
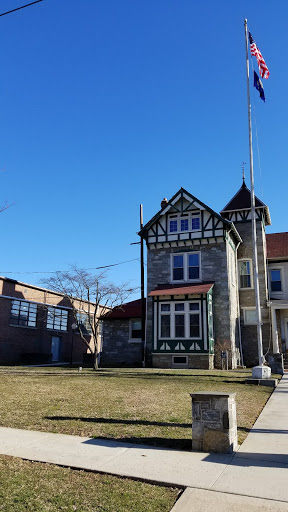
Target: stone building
{"x":122,"y":336}
{"x":200,"y":289}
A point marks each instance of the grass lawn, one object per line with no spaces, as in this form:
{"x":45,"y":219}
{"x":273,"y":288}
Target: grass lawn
{"x":34,"y":487}
{"x":136,"y":405}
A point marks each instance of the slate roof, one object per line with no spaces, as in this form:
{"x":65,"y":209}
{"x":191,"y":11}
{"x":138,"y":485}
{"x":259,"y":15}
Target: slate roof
{"x":277,"y":245}
{"x":132,"y":309}
{"x":184,"y":289}
{"x":242,"y":201}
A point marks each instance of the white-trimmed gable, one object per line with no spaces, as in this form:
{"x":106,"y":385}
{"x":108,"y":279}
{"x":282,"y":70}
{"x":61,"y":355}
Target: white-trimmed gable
{"x":183,"y":220}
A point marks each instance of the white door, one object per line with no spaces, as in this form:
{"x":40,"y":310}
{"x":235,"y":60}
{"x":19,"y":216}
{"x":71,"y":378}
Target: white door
{"x":55,"y":348}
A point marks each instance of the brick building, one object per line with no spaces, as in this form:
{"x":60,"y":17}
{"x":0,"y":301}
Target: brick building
{"x":36,"y":325}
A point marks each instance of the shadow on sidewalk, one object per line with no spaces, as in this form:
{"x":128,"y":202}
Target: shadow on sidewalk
{"x":119,"y":421}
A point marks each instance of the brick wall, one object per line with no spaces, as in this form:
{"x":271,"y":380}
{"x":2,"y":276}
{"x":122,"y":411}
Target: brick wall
{"x":18,"y":341}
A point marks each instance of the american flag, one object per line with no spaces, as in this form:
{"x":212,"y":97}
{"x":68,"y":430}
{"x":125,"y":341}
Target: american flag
{"x":263,"y":70}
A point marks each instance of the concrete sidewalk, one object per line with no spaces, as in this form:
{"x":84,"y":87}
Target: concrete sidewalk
{"x":255,"y":477}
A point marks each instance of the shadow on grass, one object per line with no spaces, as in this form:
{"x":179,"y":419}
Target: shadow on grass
{"x":119,"y":421}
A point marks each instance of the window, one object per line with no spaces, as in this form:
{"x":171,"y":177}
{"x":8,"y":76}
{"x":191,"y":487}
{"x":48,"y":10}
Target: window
{"x":194,"y":266}
{"x":23,"y":313}
{"x":135,"y":329}
{"x":83,"y":320}
{"x":245,"y":274}
{"x":165,"y":321}
{"x":178,"y":267}
{"x":180,"y":320}
{"x":186,"y":222}
{"x":195,"y":221}
{"x":173,"y":223}
{"x":194,"y":315}
{"x":57,"y":319}
{"x":250,"y":316}
{"x":186,"y":267}
{"x":275,"y":280}
{"x":179,"y":361}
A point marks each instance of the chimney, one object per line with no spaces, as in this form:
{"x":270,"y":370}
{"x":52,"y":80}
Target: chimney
{"x":164,"y":202}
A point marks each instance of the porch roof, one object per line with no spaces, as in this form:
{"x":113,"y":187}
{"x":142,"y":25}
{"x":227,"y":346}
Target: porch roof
{"x":184,"y":289}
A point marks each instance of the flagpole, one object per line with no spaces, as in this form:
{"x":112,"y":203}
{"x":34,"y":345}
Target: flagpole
{"x":253,"y":217}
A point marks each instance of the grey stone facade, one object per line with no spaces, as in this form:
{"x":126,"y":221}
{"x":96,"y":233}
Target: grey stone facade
{"x":117,"y":350}
{"x":247,"y":296}
{"x":214,"y":423}
{"x":214,"y":268}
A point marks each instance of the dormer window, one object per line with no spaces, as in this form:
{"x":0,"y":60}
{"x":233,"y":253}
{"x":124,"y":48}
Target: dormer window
{"x":186,"y":222}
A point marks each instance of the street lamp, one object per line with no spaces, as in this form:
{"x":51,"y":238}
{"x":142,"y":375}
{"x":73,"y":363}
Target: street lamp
{"x":74,"y":327}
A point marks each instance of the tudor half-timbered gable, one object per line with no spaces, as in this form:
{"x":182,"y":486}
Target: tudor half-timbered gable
{"x":191,"y":283}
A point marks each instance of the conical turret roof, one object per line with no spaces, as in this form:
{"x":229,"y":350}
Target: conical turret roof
{"x":242,"y":201}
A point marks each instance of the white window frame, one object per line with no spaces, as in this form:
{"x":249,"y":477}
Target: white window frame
{"x":251,"y":275}
{"x":244,"y":316}
{"x":186,"y":313}
{"x":134,"y":340}
{"x":185,"y":267}
{"x":270,"y":269}
{"x":177,"y":217}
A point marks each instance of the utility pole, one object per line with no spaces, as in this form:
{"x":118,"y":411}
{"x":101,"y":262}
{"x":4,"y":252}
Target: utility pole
{"x":143,"y":309}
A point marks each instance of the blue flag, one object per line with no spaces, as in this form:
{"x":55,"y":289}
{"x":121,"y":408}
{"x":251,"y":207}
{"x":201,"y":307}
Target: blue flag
{"x":259,"y":86}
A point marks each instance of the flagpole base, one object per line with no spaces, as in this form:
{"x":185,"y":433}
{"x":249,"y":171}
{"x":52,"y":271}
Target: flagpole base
{"x":261,"y":372}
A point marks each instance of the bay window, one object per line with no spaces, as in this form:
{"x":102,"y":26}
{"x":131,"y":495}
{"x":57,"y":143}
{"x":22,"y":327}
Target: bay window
{"x":180,"y":320}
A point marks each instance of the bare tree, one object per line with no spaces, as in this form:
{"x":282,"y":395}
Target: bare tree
{"x":5,"y":206}
{"x":89,"y":295}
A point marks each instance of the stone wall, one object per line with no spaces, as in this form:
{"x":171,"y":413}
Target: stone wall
{"x":198,"y":361}
{"x":247,"y":296}
{"x":117,"y":350}
{"x":214,"y":269}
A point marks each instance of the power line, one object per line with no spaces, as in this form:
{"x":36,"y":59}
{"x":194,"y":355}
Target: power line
{"x":56,"y":271}
{"x":22,"y":7}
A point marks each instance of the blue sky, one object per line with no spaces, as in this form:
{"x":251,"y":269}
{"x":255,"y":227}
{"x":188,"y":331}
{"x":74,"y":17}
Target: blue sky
{"x":107,"y":104}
